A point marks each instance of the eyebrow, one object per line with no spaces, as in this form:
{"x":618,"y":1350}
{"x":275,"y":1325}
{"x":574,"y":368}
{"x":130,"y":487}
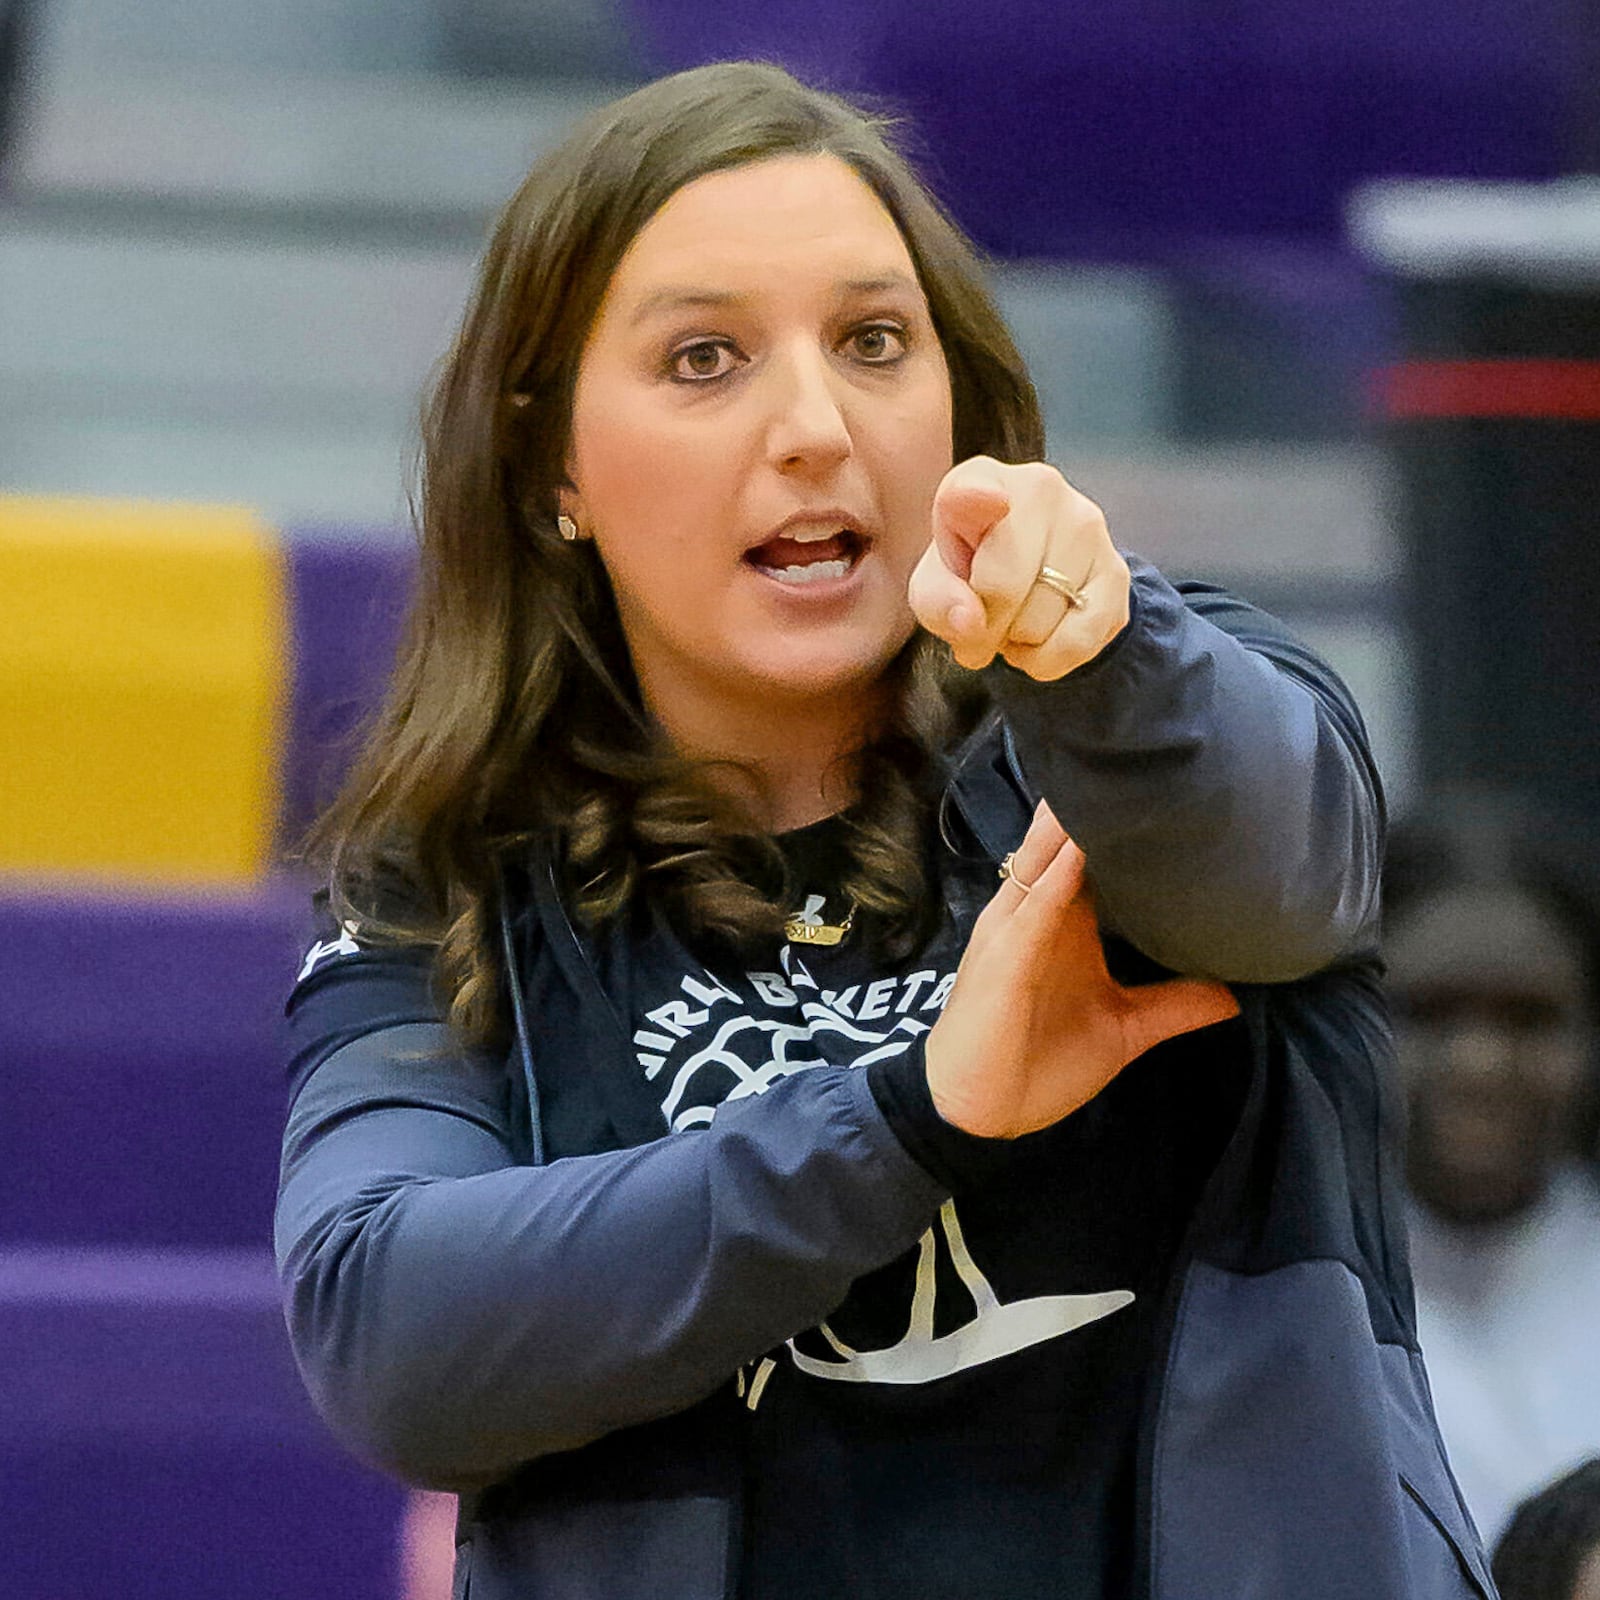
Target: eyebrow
{"x":681,"y":299}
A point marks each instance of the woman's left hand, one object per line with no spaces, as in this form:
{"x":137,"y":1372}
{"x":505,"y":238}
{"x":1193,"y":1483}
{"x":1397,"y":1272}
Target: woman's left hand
{"x":1007,"y":540}
{"x":1035,"y":1026}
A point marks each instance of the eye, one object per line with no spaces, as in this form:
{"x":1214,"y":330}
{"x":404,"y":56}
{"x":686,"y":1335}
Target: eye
{"x":879,"y":344}
{"x":702,"y":361}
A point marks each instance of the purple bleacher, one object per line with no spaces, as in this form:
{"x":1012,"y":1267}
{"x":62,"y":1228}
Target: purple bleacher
{"x":154,"y":1437}
{"x":142,"y":1097}
{"x":1117,"y":130}
{"x":157,"y":1442}
{"x":347,"y":596}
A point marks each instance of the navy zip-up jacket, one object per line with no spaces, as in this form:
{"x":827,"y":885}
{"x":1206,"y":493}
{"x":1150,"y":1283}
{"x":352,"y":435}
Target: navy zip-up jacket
{"x":557,"y":1341}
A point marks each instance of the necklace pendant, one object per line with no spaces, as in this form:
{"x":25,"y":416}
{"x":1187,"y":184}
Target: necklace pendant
{"x":805,"y":927}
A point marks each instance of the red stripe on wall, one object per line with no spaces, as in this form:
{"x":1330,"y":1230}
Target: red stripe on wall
{"x":1556,"y":391}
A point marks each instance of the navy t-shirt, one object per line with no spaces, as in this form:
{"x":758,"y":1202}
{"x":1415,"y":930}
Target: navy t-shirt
{"x":965,"y":1423}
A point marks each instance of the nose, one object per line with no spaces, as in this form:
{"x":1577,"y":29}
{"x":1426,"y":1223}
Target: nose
{"x":1478,"y":1053}
{"x":808,"y":430}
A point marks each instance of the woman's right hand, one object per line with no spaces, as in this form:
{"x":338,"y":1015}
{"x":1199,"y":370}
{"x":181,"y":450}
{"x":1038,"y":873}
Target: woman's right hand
{"x":1035,"y":1025}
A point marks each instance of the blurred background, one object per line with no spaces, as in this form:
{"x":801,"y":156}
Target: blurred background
{"x":1312,"y":298}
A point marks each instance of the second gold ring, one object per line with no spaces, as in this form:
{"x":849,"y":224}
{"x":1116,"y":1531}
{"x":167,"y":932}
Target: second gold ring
{"x":1008,"y":872}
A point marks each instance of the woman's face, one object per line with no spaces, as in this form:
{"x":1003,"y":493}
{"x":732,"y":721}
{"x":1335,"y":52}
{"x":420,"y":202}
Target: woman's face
{"x":761,"y":418}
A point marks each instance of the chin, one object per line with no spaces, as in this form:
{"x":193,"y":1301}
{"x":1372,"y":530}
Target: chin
{"x":799,"y":674}
{"x":1475,"y":1195}
{"x":809,"y":685}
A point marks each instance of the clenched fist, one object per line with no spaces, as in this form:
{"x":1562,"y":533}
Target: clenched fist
{"x":996,"y":528}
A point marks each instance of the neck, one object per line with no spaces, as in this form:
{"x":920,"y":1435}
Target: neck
{"x":799,"y":753}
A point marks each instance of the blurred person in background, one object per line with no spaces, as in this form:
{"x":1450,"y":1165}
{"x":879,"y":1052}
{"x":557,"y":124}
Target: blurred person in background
{"x":725,"y":1149}
{"x":1492,"y":972}
{"x":1551,"y":1547}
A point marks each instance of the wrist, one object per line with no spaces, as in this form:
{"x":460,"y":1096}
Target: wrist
{"x":952,"y":1155}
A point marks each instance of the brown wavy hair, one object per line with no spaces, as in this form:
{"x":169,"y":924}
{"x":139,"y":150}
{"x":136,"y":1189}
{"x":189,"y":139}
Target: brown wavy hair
{"x":513,"y":718}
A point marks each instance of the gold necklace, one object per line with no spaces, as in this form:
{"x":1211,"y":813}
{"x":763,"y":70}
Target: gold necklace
{"x":798,"y":931}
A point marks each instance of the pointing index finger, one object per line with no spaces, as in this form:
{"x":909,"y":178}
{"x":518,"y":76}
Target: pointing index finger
{"x":973,"y":497}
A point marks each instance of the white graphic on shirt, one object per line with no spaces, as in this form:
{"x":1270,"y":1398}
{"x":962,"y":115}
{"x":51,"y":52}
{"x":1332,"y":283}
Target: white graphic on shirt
{"x":999,"y":1328}
{"x":758,"y":1384}
{"x":344,"y":945}
{"x":715,"y":1044}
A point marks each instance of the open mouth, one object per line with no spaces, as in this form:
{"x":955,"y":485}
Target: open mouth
{"x":810,"y":557}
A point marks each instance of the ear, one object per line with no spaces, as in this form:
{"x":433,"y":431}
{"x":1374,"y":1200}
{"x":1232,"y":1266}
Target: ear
{"x":571,"y":523}
{"x":569,"y":503}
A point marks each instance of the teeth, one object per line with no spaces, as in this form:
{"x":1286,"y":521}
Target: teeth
{"x":815,"y":572}
{"x":814,"y":535}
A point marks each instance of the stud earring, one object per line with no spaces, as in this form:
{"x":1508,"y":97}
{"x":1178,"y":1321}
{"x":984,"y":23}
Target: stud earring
{"x":568,"y":529}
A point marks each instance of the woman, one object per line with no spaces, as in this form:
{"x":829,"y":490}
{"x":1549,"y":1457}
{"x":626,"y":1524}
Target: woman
{"x":965,"y":1267}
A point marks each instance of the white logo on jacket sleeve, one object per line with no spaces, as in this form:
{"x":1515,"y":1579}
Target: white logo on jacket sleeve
{"x":323,"y":950}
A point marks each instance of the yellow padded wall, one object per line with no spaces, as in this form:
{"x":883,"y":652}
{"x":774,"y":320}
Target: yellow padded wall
{"x":142,"y":651}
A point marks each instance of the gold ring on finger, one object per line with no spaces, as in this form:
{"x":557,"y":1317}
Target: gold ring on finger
{"x":1008,"y":871}
{"x":1072,"y":593}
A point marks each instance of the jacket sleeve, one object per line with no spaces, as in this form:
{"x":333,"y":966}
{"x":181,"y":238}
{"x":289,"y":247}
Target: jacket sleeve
{"x":1217,"y":776}
{"x":454,"y":1313}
